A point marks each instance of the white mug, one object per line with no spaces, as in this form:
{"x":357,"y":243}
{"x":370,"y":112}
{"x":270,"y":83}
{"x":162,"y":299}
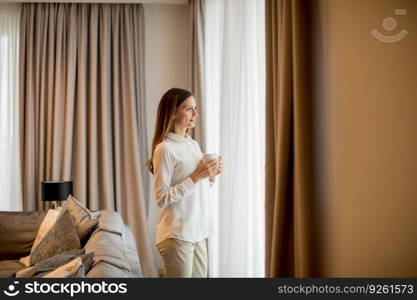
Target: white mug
{"x":208,"y":157}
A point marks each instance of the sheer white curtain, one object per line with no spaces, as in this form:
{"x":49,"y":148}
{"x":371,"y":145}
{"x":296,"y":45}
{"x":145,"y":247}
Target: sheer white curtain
{"x":10,"y":188}
{"x":234,"y":112}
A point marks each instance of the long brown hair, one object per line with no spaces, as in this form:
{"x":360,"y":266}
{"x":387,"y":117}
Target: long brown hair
{"x":165,"y":117}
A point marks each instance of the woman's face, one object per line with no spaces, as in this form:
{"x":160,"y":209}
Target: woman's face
{"x":186,"y":114}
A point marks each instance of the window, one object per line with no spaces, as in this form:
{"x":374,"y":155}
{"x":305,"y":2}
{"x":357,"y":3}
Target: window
{"x":10,"y":187}
{"x":234,"y":108}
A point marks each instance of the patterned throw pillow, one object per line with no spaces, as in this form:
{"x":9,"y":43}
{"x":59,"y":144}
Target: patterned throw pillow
{"x":83,"y":219}
{"x":60,"y":238}
{"x":48,"y":265}
{"x":47,"y":223}
{"x":77,"y":211}
{"x":85,"y":229}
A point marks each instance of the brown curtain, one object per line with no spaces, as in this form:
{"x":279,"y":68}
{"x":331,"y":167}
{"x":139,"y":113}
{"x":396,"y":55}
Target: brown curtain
{"x":197,"y":66}
{"x":81,"y":92}
{"x":288,"y":202}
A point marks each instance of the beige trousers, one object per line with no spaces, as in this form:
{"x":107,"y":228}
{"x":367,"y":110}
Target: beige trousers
{"x":184,"y":259}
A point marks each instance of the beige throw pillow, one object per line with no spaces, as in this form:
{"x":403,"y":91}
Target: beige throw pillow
{"x":60,"y":238}
{"x":73,"y":269}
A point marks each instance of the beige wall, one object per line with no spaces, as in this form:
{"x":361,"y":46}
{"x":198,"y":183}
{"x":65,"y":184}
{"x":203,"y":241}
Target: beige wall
{"x":366,"y":133}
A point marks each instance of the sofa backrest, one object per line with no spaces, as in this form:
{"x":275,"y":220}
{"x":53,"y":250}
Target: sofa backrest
{"x":18,"y":232}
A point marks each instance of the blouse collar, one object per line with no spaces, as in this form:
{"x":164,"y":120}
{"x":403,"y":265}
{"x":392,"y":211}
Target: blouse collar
{"x":178,"y":138}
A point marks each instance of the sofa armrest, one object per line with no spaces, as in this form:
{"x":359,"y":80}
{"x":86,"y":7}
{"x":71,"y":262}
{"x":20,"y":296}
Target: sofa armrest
{"x":114,"y":248}
{"x":132,"y":253}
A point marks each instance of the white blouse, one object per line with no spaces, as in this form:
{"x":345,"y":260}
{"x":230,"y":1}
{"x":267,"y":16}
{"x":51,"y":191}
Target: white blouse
{"x":184,"y":208}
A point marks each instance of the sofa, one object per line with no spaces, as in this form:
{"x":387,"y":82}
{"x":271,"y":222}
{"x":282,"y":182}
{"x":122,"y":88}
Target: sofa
{"x":111,"y":244}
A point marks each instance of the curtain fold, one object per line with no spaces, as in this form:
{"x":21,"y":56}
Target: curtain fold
{"x":10,"y":176}
{"x":81,"y":97}
{"x":197,"y":65}
{"x":288,"y":160}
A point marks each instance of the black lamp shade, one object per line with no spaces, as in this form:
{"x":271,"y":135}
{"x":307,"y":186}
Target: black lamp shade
{"x":56,"y":190}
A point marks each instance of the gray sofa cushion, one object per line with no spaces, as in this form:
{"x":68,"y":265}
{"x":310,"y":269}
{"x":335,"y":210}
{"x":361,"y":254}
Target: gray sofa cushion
{"x":17,"y":233}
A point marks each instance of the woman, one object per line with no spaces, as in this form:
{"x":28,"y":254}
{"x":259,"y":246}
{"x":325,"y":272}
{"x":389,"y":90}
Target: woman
{"x":178,"y":170}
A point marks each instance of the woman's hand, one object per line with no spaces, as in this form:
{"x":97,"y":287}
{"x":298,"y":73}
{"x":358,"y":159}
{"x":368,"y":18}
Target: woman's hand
{"x":205,"y":170}
{"x":220,"y":168}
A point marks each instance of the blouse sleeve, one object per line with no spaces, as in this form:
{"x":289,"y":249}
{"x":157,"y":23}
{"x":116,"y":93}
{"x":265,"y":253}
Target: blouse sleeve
{"x":166,"y":194}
